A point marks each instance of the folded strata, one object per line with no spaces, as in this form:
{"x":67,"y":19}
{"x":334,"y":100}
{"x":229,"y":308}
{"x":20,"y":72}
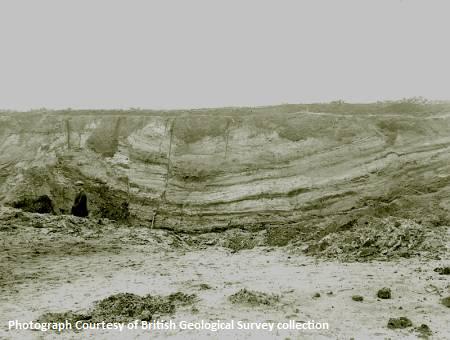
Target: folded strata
{"x":209,"y":170}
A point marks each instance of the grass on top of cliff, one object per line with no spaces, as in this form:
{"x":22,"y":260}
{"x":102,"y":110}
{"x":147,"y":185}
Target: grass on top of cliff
{"x":414,"y":105}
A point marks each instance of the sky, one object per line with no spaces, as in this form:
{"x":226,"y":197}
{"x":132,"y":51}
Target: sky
{"x":173,"y":54}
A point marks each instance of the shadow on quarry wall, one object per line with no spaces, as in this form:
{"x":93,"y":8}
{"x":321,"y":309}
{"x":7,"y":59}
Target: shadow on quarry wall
{"x":105,"y":139}
{"x":109,"y":203}
{"x":102,"y":203}
{"x":44,"y":192}
{"x":42,"y":205}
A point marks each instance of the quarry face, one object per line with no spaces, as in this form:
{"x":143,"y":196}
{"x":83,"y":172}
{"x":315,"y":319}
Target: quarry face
{"x":276,"y":214}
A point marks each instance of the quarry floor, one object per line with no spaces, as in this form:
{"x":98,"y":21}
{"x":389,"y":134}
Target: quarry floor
{"x":72,"y":276}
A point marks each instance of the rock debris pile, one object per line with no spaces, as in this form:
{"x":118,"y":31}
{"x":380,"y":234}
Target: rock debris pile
{"x":381,"y":239}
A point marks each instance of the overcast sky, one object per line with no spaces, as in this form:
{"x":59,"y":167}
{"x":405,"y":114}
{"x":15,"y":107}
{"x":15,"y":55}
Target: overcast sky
{"x":206,"y":53}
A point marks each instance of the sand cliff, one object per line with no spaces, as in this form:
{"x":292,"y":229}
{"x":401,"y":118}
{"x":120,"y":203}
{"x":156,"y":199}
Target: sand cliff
{"x":202,"y":170}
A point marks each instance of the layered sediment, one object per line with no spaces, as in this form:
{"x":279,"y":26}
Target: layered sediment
{"x":203,"y":170}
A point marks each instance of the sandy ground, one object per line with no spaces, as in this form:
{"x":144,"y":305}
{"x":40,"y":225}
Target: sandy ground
{"x":60,"y":281}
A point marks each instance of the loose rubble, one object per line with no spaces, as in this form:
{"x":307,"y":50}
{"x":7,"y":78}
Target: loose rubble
{"x":379,"y":239}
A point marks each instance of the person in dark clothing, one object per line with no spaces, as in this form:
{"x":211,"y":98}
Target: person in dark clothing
{"x":79,"y":207}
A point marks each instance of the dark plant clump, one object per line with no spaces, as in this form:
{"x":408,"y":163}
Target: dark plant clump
{"x":384,"y":293}
{"x":424,"y":330}
{"x":69,"y":316}
{"x":446,"y":301}
{"x":401,"y":322}
{"x":442,"y":270}
{"x":126,"y":307}
{"x":358,"y":298}
{"x":253,"y":298}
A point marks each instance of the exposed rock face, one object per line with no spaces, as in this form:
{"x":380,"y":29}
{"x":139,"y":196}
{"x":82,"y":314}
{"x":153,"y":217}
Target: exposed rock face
{"x":200,"y":170}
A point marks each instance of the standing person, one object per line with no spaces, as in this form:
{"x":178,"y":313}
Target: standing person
{"x":79,"y":207}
